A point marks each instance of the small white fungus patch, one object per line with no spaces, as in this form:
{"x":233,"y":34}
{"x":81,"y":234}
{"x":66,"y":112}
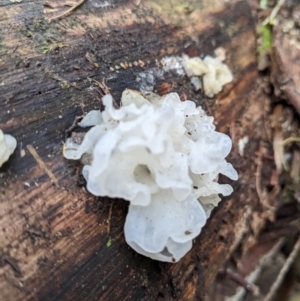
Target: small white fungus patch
{"x":7,"y":146}
{"x":215,"y":74}
{"x":163,"y":156}
{"x":172,"y":63}
{"x":211,"y":71}
{"x":242,"y":144}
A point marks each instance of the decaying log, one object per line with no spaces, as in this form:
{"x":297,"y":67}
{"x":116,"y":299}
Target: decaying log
{"x":285,"y":68}
{"x":57,"y":241}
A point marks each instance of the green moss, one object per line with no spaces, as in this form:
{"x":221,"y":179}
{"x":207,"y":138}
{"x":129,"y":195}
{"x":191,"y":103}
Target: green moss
{"x":51,"y":47}
{"x":60,"y":261}
{"x":39,"y":26}
{"x":186,"y":8}
{"x":44,"y":37}
{"x":108,"y":244}
{"x":264,"y":45}
{"x":265,"y":32}
{"x":26,"y":32}
{"x":73,"y":22}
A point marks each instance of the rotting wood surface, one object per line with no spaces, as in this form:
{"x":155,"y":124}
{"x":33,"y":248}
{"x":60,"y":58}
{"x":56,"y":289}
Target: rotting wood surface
{"x":60,"y":243}
{"x":285,"y":68}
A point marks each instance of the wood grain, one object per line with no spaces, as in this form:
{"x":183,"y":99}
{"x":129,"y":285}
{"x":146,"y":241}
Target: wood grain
{"x":56,"y":236}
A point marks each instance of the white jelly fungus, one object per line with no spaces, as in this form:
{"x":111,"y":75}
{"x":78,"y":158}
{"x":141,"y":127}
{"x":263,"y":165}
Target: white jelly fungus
{"x":7,"y":146}
{"x":164,"y":156}
{"x":215,"y":74}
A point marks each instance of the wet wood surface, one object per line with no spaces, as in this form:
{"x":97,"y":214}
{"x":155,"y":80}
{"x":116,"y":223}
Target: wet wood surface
{"x":58,"y":242}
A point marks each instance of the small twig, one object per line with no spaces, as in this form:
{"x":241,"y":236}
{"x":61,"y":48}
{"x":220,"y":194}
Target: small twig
{"x":73,"y":126}
{"x":42,"y":164}
{"x":102,"y":86}
{"x":109,"y":217}
{"x":60,"y":79}
{"x":55,"y":5}
{"x":283,"y":272}
{"x":278,"y":149}
{"x":105,"y":90}
{"x":273,"y":13}
{"x":67,"y":11}
{"x":12,"y":263}
{"x":290,"y":139}
{"x":263,"y":263}
{"x":240,"y":280}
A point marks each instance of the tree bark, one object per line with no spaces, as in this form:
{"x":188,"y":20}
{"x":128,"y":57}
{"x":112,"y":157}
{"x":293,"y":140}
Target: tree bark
{"x":57,"y":241}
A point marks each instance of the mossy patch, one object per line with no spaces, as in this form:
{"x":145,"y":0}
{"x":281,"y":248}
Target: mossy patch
{"x":265,"y":32}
